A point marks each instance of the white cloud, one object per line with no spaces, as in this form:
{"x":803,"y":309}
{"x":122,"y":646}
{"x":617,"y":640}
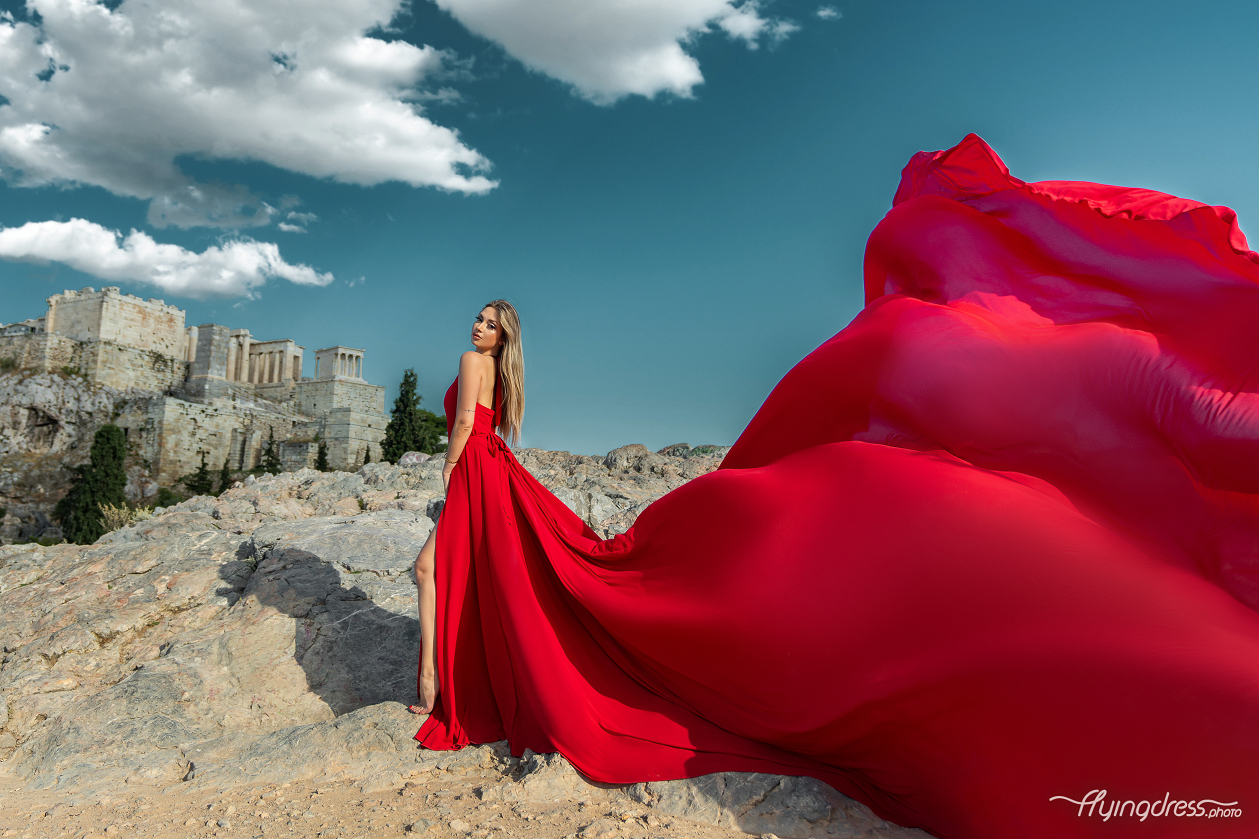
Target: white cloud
{"x":608,"y":49}
{"x":297,"y":85}
{"x":828,"y":12}
{"x":290,"y":228}
{"x":746,"y":23}
{"x":233,"y":269}
{"x":302,"y":218}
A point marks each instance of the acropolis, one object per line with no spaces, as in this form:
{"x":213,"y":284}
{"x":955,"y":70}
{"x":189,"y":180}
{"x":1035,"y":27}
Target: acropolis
{"x":207,"y":389}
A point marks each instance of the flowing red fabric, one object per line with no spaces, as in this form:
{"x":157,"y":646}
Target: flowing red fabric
{"x":989,"y":551}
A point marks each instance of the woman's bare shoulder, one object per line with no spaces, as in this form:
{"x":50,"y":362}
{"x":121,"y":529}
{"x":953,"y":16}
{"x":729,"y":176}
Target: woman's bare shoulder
{"x":474,"y":363}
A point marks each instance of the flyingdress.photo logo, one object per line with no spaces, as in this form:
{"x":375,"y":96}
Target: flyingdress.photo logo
{"x":1095,"y":800}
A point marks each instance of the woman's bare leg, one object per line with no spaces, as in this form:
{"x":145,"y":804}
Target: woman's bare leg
{"x":426,"y":584}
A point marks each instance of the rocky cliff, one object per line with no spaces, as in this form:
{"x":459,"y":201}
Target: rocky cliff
{"x":47,"y":421}
{"x":270,"y":636}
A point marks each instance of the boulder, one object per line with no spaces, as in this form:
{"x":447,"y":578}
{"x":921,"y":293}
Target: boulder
{"x":269,"y":635}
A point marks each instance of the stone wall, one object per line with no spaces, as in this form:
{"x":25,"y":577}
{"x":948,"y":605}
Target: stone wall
{"x":102,"y":362}
{"x":122,"y":367}
{"x":110,"y":315}
{"x":347,"y":433}
{"x":171,"y":433}
{"x":299,"y":454}
{"x":315,"y":397}
{"x":40,"y":351}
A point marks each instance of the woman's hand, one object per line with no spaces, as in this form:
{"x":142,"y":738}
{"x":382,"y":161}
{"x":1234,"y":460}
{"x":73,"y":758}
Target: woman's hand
{"x":447,"y":470}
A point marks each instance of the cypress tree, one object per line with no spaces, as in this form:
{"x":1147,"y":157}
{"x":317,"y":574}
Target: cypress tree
{"x":225,"y":478}
{"x":102,"y":480}
{"x":403,"y":426}
{"x":321,"y":459}
{"x":367,"y":454}
{"x":199,"y":482}
{"x":270,"y":457}
{"x":410,"y":428}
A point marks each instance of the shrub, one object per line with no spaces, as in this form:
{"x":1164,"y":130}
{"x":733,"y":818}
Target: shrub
{"x":321,"y":458}
{"x":8,"y":363}
{"x":114,"y":518}
{"x":167,"y":497}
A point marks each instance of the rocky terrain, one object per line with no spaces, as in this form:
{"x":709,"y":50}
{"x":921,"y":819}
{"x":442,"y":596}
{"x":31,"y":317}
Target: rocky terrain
{"x":46,"y":424}
{"x":241,"y":664}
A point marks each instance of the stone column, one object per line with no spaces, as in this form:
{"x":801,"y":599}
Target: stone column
{"x":230,"y":372}
{"x":242,"y":374}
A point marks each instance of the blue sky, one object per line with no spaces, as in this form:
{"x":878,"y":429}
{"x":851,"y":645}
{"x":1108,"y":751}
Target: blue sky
{"x":673,"y":246}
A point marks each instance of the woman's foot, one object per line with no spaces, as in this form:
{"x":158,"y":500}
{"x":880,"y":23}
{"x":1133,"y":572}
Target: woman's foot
{"x":428,"y":694}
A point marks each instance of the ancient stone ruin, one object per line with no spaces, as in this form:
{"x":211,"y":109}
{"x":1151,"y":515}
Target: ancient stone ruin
{"x":206,"y":389}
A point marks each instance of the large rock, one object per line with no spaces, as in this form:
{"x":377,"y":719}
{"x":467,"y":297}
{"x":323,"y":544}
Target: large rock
{"x":270,"y":635}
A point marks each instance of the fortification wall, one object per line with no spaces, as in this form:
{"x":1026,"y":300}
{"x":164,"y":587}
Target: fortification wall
{"x":347,"y":433}
{"x":110,"y":315}
{"x":316,"y":397}
{"x":40,"y":351}
{"x":122,"y":367}
{"x":101,"y":362}
{"x":171,"y":433}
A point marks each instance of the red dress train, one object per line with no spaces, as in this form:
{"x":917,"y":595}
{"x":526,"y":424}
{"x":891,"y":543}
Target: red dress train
{"x":992,"y":547}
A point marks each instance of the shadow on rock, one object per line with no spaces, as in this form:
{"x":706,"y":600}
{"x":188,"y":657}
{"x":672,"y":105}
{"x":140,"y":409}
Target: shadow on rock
{"x":354,"y":652}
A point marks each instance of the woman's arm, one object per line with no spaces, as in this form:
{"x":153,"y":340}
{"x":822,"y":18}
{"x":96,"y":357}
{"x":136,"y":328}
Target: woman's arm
{"x":470,"y":370}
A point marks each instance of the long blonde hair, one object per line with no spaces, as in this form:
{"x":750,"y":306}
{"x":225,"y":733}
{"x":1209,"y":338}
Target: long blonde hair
{"x":511,"y":367}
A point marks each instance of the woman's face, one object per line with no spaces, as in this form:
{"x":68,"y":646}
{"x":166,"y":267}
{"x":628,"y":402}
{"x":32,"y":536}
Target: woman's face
{"x":487,"y":335}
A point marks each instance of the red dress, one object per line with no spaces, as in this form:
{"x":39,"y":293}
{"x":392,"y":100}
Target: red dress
{"x":990,"y":548}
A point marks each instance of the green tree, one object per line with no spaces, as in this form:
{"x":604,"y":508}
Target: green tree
{"x":321,"y":458}
{"x":225,"y":477}
{"x":167,"y":497}
{"x":411,"y":428}
{"x":270,"y":456}
{"x":199,"y":482}
{"x":102,"y":480}
{"x":367,"y":454}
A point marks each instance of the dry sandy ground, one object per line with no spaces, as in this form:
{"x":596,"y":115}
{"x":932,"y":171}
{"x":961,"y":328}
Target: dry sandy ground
{"x":448,"y":807}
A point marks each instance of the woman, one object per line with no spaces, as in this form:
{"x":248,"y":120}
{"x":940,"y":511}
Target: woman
{"x":473,"y":411}
{"x":986,"y":560}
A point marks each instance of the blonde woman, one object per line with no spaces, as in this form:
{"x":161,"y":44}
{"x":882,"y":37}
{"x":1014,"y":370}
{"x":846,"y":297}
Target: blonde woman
{"x":487,"y":395}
